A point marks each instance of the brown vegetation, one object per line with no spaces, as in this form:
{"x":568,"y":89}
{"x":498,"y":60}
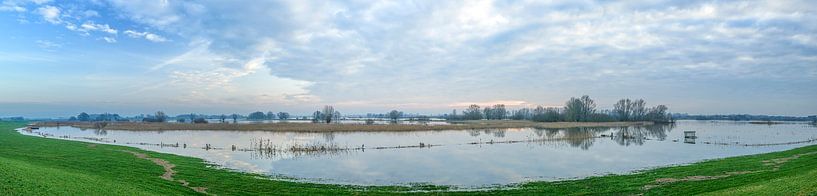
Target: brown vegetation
{"x":315,"y":127}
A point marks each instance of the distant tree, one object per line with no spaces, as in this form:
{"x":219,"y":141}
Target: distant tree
{"x":639,"y":109}
{"x":394,"y":115}
{"x":200,"y":121}
{"x":317,"y":117}
{"x":623,"y":109}
{"x":270,"y":115}
{"x":453,"y":115}
{"x":223,"y":118}
{"x":84,"y":117}
{"x":599,"y":117}
{"x":283,"y":115}
{"x":257,"y":116}
{"x":658,"y":114}
{"x":328,"y":113}
{"x":103,"y":117}
{"x":160,"y":116}
{"x":521,"y":114}
{"x":336,"y":117}
{"x":235,"y":118}
{"x":472,"y":113}
{"x":542,"y":114}
{"x":579,"y":109}
{"x":499,"y":112}
{"x":73,"y":118}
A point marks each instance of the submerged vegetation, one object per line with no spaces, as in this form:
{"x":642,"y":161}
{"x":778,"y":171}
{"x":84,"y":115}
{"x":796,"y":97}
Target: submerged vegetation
{"x":35,"y":165}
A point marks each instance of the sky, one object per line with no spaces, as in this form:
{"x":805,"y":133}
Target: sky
{"x":59,"y":58}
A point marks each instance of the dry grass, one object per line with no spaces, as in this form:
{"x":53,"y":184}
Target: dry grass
{"x":313,"y":127}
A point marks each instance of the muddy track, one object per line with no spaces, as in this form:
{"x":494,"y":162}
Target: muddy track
{"x":775,"y":163}
{"x":169,"y":172}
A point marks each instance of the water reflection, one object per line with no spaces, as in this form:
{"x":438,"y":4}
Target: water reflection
{"x":581,"y":137}
{"x":457,"y":157}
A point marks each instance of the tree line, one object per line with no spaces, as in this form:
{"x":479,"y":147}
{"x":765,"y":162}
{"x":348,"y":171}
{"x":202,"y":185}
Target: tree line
{"x":581,"y":109}
{"x":268,"y":116}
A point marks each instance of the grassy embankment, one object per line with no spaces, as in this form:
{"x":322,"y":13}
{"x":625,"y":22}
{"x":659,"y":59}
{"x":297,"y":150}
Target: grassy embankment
{"x":36,"y":166}
{"x":318,"y":127}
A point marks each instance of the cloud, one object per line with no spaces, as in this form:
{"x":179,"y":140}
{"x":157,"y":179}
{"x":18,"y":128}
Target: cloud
{"x":50,"y":14}
{"x":39,"y":2}
{"x":90,"y":13}
{"x":48,"y":45}
{"x":444,"y":53}
{"x":451,"y":51}
{"x":202,"y":77}
{"x":91,"y":26}
{"x":11,"y":6}
{"x":109,"y":39}
{"x":147,"y":35}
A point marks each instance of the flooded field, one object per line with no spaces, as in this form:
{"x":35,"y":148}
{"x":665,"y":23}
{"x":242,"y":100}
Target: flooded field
{"x":466,"y":158}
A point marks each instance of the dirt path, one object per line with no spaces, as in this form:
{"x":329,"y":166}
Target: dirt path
{"x":169,"y":172}
{"x":775,"y":163}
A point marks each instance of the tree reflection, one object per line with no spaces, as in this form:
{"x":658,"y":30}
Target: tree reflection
{"x":585,"y":137}
{"x":100,"y":132}
{"x":626,"y":136}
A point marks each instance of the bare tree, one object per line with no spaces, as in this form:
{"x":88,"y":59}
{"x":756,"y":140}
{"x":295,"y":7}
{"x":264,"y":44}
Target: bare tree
{"x":328,"y":113}
{"x":499,"y":112}
{"x":639,"y":109}
{"x":472,"y":113}
{"x":317,"y":117}
{"x":394,"y":115}
{"x":579,"y":109}
{"x":623,"y":109}
{"x":160,"y":116}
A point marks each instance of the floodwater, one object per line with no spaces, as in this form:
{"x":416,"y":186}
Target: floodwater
{"x":463,"y":158}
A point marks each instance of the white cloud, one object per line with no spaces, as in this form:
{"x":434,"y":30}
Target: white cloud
{"x":91,"y":26}
{"x":47,"y":44}
{"x":50,"y":14}
{"x":153,"y":12}
{"x":453,"y":51}
{"x":201,"y":76}
{"x":39,"y":2}
{"x":11,"y":6}
{"x":109,"y":39}
{"x":155,"y":38}
{"x":90,"y":13}
{"x":147,"y":35}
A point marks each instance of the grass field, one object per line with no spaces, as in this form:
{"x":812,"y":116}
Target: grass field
{"x":41,"y":166}
{"x":319,"y":127}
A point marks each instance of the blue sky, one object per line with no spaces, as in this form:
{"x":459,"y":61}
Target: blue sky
{"x":704,"y":57}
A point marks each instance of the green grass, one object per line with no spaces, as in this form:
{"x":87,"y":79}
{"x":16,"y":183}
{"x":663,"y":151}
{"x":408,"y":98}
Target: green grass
{"x":40,"y":166}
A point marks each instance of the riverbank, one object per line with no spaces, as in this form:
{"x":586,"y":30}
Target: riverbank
{"x":36,"y":166}
{"x":318,"y":127}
